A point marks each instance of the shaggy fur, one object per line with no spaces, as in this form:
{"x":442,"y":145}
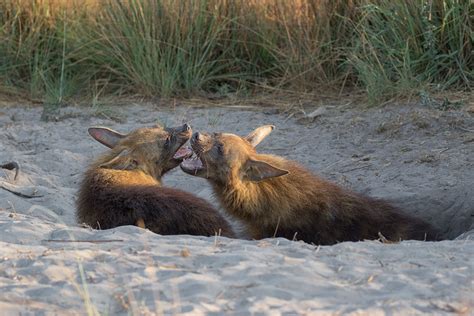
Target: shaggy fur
{"x":123,"y":187}
{"x":277,"y":197}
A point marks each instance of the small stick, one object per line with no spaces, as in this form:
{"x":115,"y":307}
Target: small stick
{"x":384,"y":240}
{"x":216,"y":237}
{"x":26,"y":196}
{"x":276,"y":228}
{"x":91,"y":241}
{"x":294,"y":236}
{"x":357,"y":168}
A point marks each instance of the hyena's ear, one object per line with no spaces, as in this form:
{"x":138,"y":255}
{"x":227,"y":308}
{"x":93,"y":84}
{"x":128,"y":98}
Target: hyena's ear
{"x":256,"y":170}
{"x":105,"y":136}
{"x":255,"y":137}
{"x":122,"y":161}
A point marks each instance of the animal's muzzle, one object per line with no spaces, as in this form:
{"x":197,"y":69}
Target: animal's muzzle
{"x":200,"y":142}
{"x":183,"y":129}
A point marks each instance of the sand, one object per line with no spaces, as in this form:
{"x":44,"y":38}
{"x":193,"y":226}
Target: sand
{"x":419,"y":158}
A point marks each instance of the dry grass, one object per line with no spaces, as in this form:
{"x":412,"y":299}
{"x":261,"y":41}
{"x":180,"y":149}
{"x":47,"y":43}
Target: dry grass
{"x":55,"y":51}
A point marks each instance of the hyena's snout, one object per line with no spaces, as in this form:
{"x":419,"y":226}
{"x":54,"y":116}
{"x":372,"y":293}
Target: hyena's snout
{"x":201,"y":142}
{"x":196,"y":137}
{"x":184,"y":131}
{"x":174,"y":144}
{"x":186,"y":128}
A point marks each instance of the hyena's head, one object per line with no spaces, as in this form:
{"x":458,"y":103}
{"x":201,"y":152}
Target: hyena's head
{"x":153,"y":150}
{"x":224,"y":157}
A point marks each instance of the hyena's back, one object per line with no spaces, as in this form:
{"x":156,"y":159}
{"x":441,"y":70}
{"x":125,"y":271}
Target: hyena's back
{"x":303,"y":206}
{"x":363,"y":217}
{"x":274,"y":196}
{"x":165,"y":211}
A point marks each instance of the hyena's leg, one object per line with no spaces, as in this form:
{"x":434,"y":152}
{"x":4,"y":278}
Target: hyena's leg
{"x":140,"y":223}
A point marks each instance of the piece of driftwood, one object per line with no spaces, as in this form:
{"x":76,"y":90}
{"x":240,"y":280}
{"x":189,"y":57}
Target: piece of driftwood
{"x":14,"y":189}
{"x":24,"y":192}
{"x":12,"y":165}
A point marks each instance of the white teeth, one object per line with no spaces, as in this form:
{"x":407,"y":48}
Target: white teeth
{"x":194,"y":157}
{"x":190,"y":158}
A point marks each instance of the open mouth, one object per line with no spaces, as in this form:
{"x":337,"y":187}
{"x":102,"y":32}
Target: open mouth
{"x":182,"y":135}
{"x":183,"y":153}
{"x":192,"y":165}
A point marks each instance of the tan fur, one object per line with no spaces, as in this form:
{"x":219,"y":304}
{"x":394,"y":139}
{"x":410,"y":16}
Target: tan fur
{"x":297,"y":204}
{"x":123,"y":186}
{"x":140,"y":223}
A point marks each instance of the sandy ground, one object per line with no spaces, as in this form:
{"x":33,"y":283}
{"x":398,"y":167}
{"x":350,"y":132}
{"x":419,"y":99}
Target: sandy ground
{"x":421,"y":159}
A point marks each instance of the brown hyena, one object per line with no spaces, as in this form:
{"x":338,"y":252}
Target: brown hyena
{"x":123,"y":187}
{"x":278,"y":197}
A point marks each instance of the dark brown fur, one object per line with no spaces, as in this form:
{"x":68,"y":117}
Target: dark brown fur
{"x":124,"y":189}
{"x":277,"y":197}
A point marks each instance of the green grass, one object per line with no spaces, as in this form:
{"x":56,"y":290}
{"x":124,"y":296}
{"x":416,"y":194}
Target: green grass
{"x":404,"y":46}
{"x":157,"y":48}
{"x":56,"y":51}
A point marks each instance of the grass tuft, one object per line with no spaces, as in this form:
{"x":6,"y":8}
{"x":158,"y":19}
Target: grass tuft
{"x":56,"y":50}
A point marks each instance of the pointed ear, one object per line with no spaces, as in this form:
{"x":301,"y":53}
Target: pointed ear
{"x":257,"y":170}
{"x":122,"y":161}
{"x":255,"y":137}
{"x":105,"y":136}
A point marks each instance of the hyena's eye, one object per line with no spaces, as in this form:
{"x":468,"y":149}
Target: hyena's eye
{"x":220,"y":149}
{"x":167,"y":142}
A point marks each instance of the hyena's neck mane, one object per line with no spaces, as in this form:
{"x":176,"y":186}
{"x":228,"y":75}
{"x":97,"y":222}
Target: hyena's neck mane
{"x":117,"y":177}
